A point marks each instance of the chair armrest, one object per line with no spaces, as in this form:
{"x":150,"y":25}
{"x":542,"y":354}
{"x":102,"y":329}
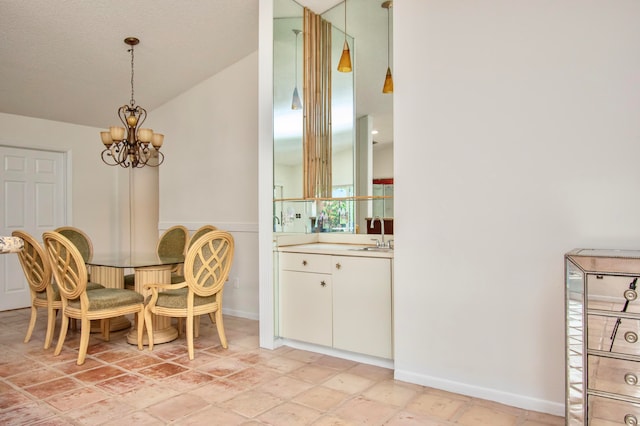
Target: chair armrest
{"x":157,"y":286}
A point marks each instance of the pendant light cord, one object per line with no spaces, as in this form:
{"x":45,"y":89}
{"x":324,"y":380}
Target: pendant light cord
{"x":388,"y":41}
{"x":297,"y":33}
{"x":345,"y":20}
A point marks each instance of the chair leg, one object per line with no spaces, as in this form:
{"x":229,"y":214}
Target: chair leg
{"x":220,"y":327}
{"x":140,"y":322}
{"x":149,"y":323}
{"x":190,"y":336}
{"x":212,"y":318}
{"x":196,"y":326}
{"x":32,"y":324}
{"x":85,"y":331}
{"x":180,"y":326}
{"x":51,"y":326}
{"x":63,"y":334}
{"x":106,"y":329}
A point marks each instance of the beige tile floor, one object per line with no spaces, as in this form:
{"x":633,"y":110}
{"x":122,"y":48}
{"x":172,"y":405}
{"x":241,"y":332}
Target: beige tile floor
{"x":119,"y":385}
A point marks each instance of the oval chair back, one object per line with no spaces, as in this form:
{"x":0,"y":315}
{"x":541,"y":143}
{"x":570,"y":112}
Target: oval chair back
{"x":79,"y":239}
{"x":208,"y":262}
{"x":173,"y":242}
{"x":68,"y":265}
{"x":200,"y":232}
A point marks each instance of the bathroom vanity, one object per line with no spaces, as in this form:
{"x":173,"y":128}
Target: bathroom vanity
{"x":602,"y":329}
{"x":337,"y":296}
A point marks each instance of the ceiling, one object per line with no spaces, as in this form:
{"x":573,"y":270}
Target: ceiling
{"x":65,"y":60}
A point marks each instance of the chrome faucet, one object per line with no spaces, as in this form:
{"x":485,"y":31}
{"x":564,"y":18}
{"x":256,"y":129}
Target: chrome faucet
{"x":379,"y":243}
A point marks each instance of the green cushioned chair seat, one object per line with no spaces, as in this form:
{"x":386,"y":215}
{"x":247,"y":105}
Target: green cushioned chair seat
{"x":178,"y":299}
{"x":108,"y":298}
{"x":56,"y":293}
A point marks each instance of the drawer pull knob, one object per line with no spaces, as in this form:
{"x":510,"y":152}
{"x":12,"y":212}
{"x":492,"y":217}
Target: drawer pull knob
{"x":630,"y":295}
{"x":630,"y":337}
{"x":323,"y":284}
{"x":304,"y":263}
{"x":631,"y":379}
{"x":338,"y":266}
{"x":630,"y":420}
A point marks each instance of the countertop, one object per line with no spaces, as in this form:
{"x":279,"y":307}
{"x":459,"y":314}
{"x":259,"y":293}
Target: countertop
{"x":336,"y":249}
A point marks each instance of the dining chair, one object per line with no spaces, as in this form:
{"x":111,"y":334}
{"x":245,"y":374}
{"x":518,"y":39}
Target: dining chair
{"x":81,"y":240}
{"x":70,"y":273}
{"x":172,"y":243}
{"x":178,"y":278}
{"x":206,"y":269}
{"x":44,"y":292}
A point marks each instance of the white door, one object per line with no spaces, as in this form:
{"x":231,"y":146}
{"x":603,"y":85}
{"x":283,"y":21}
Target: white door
{"x":33,"y":194}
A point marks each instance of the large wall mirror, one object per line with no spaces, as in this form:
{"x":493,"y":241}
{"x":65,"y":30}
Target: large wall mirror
{"x":361,"y":122}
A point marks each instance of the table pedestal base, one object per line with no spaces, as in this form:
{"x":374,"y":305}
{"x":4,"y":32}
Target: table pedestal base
{"x":163,"y":331}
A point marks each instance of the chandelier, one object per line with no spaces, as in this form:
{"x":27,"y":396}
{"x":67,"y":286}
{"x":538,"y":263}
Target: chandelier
{"x":128,"y":146}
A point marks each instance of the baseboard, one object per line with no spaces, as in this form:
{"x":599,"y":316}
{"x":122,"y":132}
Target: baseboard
{"x":324,"y":350}
{"x":514,"y":400}
{"x":241,"y":314}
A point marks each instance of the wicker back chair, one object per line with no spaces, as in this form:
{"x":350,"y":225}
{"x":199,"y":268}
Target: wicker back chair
{"x":82,"y":242}
{"x":200,"y":232}
{"x":79,"y":239}
{"x":70,"y":274}
{"x":172,"y":243}
{"x":206,"y":269}
{"x":44,"y":293}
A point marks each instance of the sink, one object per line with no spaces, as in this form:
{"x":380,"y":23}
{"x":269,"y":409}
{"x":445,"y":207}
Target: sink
{"x":373,"y":248}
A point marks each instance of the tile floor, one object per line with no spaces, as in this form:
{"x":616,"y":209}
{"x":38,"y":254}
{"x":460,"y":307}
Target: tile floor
{"x":243,"y":385}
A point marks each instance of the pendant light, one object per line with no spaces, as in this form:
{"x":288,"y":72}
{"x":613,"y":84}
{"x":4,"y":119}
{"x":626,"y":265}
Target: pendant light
{"x":295,"y":101}
{"x":388,"y":80}
{"x":345,"y":60}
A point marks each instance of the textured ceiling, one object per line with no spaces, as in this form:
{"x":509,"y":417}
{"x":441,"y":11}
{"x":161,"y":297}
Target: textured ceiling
{"x":65,"y":60}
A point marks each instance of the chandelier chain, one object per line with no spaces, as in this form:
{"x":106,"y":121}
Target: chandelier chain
{"x":132,"y":102}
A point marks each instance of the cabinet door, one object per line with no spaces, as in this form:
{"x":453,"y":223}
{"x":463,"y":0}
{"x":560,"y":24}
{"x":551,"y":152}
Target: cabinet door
{"x":362,"y":305}
{"x":305,"y":307}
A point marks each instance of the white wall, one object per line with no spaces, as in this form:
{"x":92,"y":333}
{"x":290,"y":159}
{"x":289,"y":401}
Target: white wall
{"x":516,"y":140}
{"x":383,"y":161}
{"x":99,"y":206}
{"x":210,"y":173}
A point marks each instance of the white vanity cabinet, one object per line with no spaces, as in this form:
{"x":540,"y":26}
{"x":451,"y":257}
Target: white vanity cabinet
{"x":362,"y":305}
{"x":344,"y":302}
{"x":306,"y":298}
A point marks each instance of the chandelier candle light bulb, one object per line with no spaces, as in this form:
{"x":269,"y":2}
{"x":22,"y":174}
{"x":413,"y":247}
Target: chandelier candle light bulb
{"x":129,"y":146}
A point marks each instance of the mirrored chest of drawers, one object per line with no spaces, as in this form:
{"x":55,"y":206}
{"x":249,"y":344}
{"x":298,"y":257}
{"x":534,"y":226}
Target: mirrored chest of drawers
{"x":602,"y":337}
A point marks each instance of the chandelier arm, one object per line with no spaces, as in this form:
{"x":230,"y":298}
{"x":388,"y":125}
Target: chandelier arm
{"x":142,"y":116}
{"x":107,"y":152}
{"x":122,"y":153}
